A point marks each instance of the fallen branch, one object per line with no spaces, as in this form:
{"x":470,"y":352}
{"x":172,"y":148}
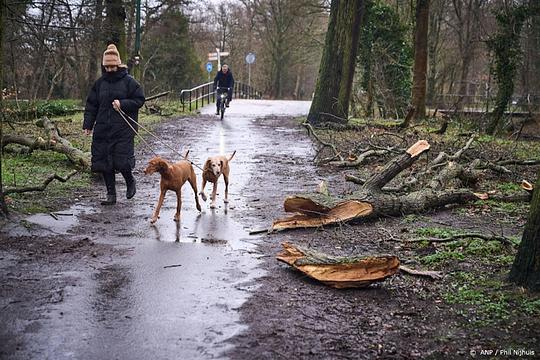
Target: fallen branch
{"x":258,"y":231}
{"x":172,"y":266}
{"x":342,"y":120}
{"x":456,"y":237}
{"x":339,"y":272}
{"x":54,"y":142}
{"x":361,"y":159}
{"x":404,"y":186}
{"x":324,"y":144}
{"x":41,"y":187}
{"x":519,"y":162}
{"x":435,"y":275}
{"x":442,"y":157}
{"x":157,"y":96}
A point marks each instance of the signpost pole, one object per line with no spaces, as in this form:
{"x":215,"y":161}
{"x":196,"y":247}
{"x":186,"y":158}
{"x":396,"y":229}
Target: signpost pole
{"x":250,"y":59}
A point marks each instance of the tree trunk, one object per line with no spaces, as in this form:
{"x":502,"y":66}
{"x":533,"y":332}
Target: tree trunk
{"x":526,"y":268}
{"x":506,"y":48}
{"x":336,"y":72}
{"x":116,"y":27}
{"x":434,"y":37}
{"x":420,"y":59}
{"x":462,"y":92}
{"x":3,"y":207}
{"x":95,"y":48}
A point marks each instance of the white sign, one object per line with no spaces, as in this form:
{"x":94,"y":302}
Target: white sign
{"x":250,"y":58}
{"x":214,"y":56}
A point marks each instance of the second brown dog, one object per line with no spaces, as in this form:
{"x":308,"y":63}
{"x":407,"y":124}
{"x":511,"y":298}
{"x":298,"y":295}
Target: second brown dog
{"x":212,"y":170}
{"x":173,"y":177}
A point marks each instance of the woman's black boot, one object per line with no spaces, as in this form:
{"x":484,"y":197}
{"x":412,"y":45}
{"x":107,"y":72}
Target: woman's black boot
{"x":109,"y":178}
{"x":130,"y":184}
{"x":111,"y":200}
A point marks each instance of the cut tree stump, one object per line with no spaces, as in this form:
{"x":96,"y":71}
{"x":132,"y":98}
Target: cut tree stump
{"x":339,"y":272}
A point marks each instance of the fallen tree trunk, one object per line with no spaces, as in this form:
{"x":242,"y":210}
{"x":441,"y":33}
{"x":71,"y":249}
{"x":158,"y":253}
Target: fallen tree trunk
{"x":339,"y":272}
{"x":370,"y":201}
{"x":54,"y":142}
{"x":157,"y":96}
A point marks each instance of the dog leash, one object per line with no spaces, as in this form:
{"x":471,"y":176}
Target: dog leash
{"x":140,"y":137}
{"x":126,"y":117}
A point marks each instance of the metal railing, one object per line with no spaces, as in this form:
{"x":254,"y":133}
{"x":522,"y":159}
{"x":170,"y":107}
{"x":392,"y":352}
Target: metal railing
{"x":197,"y":96}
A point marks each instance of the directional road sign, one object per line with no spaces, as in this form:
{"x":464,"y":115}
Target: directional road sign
{"x":209,"y":66}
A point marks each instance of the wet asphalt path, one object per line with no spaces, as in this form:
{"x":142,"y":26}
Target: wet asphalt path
{"x":176,"y":293}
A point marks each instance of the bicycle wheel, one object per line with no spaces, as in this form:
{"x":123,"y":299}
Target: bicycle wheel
{"x":222,"y":109}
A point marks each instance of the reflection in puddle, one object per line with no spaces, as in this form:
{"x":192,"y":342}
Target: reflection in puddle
{"x":211,"y":227}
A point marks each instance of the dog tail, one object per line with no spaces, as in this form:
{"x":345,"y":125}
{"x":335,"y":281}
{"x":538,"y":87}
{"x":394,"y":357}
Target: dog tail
{"x":234,"y":152}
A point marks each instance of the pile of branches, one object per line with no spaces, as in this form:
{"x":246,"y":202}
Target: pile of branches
{"x":442,"y":181}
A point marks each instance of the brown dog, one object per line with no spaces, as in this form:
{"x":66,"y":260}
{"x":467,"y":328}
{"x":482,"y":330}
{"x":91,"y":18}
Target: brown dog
{"x":173,"y":177}
{"x":212,"y":170}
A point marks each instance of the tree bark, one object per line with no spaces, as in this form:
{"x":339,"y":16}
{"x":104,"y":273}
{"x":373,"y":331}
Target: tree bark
{"x":420,"y":59}
{"x":116,"y":27}
{"x":507,"y":49}
{"x":95,"y":48}
{"x":526,"y":268}
{"x":336,"y":72}
{"x":3,"y":206}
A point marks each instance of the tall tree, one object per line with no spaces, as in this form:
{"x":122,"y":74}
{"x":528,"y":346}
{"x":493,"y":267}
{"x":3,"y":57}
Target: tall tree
{"x":170,"y":62}
{"x":526,"y":267}
{"x":115,"y":26}
{"x":384,"y":62}
{"x":336,"y":72}
{"x":420,"y":59}
{"x":94,"y":50}
{"x":506,"y":48}
{"x":3,"y":207}
{"x":466,"y":13}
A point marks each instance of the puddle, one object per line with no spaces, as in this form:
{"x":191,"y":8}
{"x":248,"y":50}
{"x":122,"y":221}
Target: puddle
{"x":60,"y":222}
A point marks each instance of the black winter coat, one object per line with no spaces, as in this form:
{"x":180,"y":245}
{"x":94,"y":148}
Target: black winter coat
{"x":224,"y":80}
{"x":112,"y":139}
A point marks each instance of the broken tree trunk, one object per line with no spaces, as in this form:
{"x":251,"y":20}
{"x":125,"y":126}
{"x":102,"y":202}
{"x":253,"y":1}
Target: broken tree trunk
{"x":339,"y":272}
{"x":54,"y":142}
{"x":314,"y":210}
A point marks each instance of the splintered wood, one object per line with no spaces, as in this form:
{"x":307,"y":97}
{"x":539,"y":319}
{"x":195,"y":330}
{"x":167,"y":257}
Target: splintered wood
{"x":314,"y":214}
{"x":339,"y":272}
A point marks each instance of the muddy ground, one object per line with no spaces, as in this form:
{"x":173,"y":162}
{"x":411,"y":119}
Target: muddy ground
{"x":281,"y":313}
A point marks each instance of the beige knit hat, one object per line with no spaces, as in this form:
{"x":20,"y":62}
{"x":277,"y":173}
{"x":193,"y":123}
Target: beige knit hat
{"x":111,"y":56}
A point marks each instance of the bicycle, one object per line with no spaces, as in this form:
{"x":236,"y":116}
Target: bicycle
{"x":222,"y":97}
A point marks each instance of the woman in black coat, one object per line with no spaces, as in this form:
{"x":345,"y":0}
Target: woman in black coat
{"x":112,"y":137}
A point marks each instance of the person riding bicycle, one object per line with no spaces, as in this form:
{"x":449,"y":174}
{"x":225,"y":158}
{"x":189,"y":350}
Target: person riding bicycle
{"x":224,"y":79}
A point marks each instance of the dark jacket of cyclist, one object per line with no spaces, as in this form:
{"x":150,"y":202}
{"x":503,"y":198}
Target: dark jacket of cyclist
{"x":224,"y":78}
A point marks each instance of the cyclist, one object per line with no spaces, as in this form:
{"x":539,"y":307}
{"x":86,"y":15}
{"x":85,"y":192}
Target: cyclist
{"x":224,"y":79}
